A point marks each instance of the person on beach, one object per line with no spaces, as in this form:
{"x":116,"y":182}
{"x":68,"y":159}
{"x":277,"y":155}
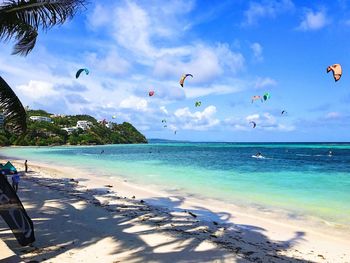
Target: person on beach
{"x":15,"y":180}
{"x":26,"y":166}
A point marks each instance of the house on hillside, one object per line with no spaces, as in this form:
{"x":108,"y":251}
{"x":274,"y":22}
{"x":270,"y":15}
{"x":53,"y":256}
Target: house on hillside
{"x":70,"y":130}
{"x":85,"y":125}
{"x":109,"y":125}
{"x":40,"y":118}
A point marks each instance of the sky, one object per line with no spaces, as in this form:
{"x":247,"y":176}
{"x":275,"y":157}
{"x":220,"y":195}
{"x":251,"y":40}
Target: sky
{"x":234,"y":50}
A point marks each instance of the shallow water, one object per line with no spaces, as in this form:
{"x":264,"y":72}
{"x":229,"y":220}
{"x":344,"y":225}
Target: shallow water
{"x":299,"y":178}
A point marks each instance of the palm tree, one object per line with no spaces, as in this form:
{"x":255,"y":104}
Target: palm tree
{"x":21,"y":19}
{"x":12,"y":109}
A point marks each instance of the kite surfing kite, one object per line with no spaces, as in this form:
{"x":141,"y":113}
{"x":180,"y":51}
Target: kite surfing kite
{"x":114,"y":117}
{"x":165,"y":126}
{"x":254,"y":124}
{"x":80,"y":71}
{"x":14,"y":214}
{"x":182,"y":80}
{"x":337,"y":71}
{"x":254,"y":98}
{"x":164,"y":121}
{"x":198,"y":103}
{"x":266,"y":96}
{"x":283,"y":112}
{"x":151,"y":93}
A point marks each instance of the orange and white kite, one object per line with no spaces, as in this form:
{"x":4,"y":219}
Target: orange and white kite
{"x":337,"y":71}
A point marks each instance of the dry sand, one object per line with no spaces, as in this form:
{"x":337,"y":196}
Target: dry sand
{"x":88,"y":218}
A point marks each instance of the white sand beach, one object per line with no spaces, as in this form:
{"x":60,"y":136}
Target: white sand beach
{"x":81,"y":217}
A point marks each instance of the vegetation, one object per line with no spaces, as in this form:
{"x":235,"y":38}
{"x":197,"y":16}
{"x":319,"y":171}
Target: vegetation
{"x":22,"y":19}
{"x":12,"y":109}
{"x":41,"y":133}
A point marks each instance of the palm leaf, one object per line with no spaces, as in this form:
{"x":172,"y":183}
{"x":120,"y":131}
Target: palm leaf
{"x":12,"y":109}
{"x":23,"y":18}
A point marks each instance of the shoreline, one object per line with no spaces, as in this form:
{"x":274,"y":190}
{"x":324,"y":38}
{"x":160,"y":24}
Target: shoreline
{"x":127,"y":187}
{"x":256,"y":225}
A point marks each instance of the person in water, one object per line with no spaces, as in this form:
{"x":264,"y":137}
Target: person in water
{"x":330,"y":153}
{"x":258,"y":154}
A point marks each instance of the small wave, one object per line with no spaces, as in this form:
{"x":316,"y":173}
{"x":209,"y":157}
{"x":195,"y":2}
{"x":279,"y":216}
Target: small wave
{"x":261,"y":157}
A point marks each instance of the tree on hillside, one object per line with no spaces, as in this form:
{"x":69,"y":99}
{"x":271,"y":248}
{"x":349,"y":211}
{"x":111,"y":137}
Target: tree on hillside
{"x":22,"y":19}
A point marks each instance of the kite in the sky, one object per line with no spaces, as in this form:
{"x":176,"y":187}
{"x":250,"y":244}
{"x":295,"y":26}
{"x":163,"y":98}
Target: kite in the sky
{"x":198,"y":103}
{"x":257,"y":97}
{"x":164,"y":121}
{"x":283,"y":112}
{"x":184,"y":76}
{"x":80,"y":71}
{"x":151,"y":93}
{"x":337,"y":71}
{"x":114,"y":117}
{"x":266,"y":96}
{"x":254,"y":124}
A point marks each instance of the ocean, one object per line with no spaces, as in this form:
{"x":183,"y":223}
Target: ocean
{"x":300,"y":178}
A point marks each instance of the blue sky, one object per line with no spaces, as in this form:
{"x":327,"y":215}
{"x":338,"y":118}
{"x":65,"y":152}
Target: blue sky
{"x":234,"y":49}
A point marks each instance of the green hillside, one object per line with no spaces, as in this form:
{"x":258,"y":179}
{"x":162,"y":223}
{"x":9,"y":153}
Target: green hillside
{"x":41,"y":133}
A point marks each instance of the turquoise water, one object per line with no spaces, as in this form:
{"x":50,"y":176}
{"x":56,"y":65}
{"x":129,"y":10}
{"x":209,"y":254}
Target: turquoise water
{"x":299,"y":178}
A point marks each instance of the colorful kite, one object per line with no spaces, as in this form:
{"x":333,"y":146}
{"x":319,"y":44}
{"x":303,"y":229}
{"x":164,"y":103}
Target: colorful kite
{"x":184,"y":76}
{"x":254,"y":124}
{"x":257,"y":97}
{"x":80,"y":71}
{"x":266,"y":96}
{"x":337,"y":71}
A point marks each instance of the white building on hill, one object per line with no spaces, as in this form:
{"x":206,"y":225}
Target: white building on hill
{"x":40,"y":118}
{"x":69,"y":130}
{"x":84,"y":125}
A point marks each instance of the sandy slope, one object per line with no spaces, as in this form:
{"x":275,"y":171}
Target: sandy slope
{"x":95,"y":219}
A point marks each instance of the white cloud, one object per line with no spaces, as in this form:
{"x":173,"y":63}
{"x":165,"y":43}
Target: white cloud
{"x":264,"y":9}
{"x":199,"y":120}
{"x":333,"y":115}
{"x":134,"y":103}
{"x":197,"y":92}
{"x":163,"y":110}
{"x":265,"y":82}
{"x":313,"y":21}
{"x":37,"y":89}
{"x":264,"y":121}
{"x":99,"y":17}
{"x":257,"y":51}
{"x":204,"y":62}
{"x":132,"y":25}
{"x":111,"y":62}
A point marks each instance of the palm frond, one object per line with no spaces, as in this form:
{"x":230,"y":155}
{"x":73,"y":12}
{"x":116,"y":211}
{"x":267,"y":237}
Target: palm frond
{"x":33,"y":15}
{"x":12,"y":109}
{"x":26,"y":39}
